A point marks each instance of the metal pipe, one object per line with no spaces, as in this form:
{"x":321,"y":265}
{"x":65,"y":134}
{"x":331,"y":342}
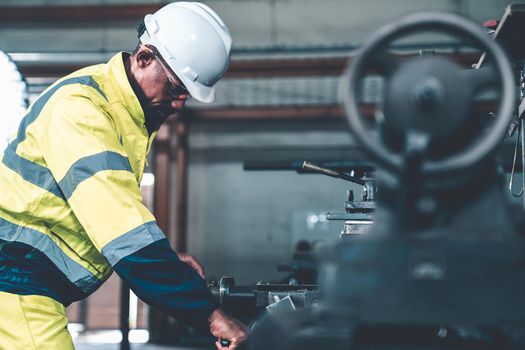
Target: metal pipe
{"x":160,"y":326}
{"x":124,"y":315}
{"x":158,"y":321}
{"x":41,"y":64}
{"x":162,"y":162}
{"x":181,"y":193}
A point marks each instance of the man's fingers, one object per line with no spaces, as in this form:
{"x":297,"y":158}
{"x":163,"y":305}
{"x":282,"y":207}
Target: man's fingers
{"x":220,"y":347}
{"x":199,"y":270}
{"x":190,"y":260}
{"x":196,"y":266}
{"x":224,"y":327}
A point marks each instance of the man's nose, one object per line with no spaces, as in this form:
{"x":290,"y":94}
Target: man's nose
{"x":179,"y":101}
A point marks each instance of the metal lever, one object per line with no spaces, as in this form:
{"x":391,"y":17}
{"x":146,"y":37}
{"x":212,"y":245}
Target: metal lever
{"x":332,"y":173}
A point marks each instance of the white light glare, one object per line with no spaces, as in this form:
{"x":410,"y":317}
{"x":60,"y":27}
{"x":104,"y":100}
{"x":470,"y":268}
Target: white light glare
{"x":13,"y":99}
{"x":148,"y":179}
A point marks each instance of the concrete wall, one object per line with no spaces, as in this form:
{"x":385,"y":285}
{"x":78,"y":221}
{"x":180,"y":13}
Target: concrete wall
{"x":244,"y":223}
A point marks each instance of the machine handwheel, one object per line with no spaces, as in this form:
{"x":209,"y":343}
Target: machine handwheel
{"x":422,"y":92}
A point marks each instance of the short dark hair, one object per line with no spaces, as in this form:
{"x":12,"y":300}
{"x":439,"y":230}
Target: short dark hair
{"x":141,"y":28}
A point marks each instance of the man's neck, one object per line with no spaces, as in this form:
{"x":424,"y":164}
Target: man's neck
{"x":126,"y":57}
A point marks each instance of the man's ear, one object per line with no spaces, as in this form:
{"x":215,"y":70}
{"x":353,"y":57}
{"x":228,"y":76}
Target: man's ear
{"x":144,"y":57}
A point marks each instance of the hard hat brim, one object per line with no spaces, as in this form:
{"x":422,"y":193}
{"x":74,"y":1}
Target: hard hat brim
{"x":201,"y":93}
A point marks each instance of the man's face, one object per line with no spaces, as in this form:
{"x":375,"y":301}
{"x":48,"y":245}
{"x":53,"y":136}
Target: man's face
{"x":164,"y":93}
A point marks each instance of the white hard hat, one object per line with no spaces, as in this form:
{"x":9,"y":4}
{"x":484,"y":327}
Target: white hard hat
{"x":195,"y":43}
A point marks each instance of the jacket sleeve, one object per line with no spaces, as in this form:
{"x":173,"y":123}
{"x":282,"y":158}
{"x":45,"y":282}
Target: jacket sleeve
{"x":159,"y":278}
{"x":82,"y":149}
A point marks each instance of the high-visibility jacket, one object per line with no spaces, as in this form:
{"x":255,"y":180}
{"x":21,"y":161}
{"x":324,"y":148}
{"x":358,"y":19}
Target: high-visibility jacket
{"x":70,"y":205}
{"x":33,"y":322}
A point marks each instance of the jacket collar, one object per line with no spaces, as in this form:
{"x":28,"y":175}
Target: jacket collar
{"x":123,"y":89}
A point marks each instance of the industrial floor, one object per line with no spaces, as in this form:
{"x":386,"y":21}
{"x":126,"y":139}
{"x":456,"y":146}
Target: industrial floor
{"x":110,"y":340}
{"x":132,"y":347}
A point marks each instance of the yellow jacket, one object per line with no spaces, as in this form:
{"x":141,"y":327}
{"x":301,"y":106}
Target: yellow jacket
{"x":70,"y":205}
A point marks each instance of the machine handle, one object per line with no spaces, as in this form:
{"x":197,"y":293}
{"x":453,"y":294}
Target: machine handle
{"x":332,"y":173}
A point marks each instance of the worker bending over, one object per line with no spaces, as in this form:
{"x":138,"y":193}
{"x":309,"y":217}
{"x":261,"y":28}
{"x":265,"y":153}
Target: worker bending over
{"x":70,"y":204}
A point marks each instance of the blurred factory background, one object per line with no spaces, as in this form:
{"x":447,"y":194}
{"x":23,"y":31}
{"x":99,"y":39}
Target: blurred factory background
{"x":222,"y":183}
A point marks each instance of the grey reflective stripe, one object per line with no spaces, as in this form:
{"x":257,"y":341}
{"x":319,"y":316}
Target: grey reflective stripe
{"x":132,"y":241}
{"x":28,"y":170}
{"x":31,"y":172}
{"x":76,"y":273}
{"x":39,"y":104}
{"x":86,"y":167}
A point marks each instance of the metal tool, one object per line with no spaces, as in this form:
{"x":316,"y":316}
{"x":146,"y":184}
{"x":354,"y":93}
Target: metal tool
{"x":332,"y":173}
{"x":262,"y":294}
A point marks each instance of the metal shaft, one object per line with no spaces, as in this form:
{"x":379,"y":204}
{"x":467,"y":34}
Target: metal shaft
{"x":332,"y":173}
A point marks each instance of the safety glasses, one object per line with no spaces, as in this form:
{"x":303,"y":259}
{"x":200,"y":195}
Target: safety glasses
{"x":174,"y":86}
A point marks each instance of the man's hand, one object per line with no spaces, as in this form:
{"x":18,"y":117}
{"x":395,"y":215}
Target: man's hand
{"x":190,"y":260}
{"x":225,"y":327}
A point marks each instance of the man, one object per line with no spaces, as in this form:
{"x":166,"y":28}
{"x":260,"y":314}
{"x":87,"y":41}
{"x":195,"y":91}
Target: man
{"x":70,"y":205}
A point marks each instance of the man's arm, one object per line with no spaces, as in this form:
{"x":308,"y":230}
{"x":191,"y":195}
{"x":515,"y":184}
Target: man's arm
{"x":161,"y":279}
{"x":83,"y":151}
